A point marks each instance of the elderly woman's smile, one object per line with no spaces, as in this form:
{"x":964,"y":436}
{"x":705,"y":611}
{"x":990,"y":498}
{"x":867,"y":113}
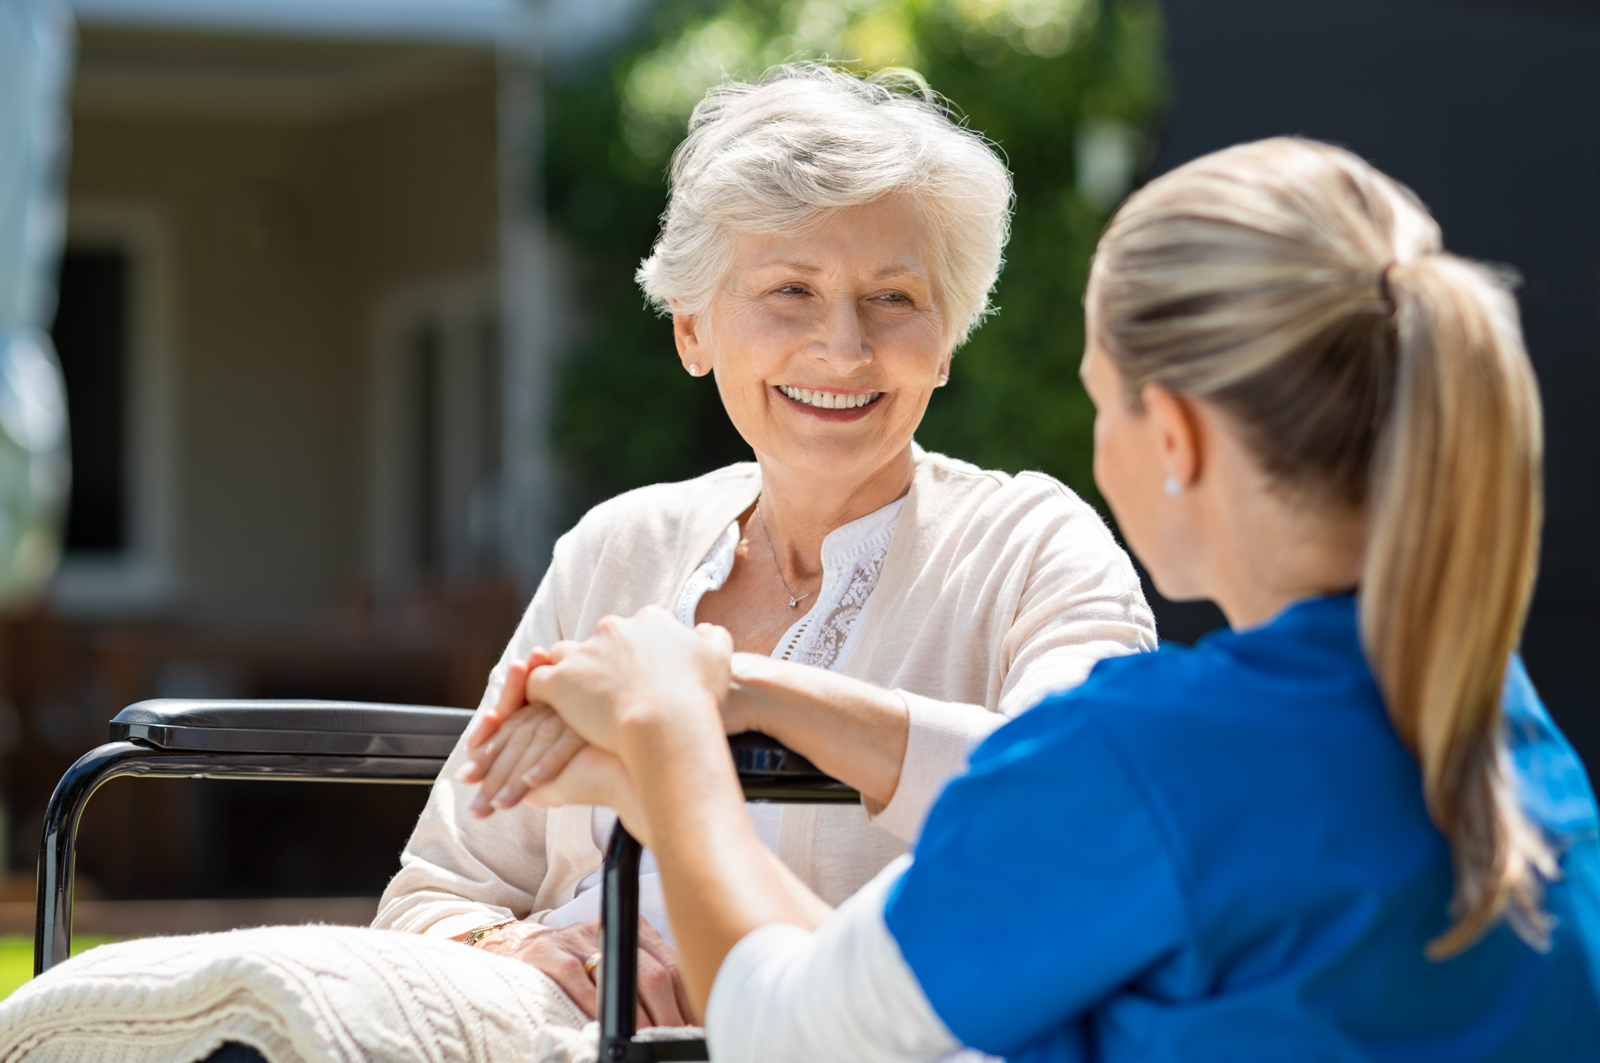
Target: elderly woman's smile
{"x":849,"y":403}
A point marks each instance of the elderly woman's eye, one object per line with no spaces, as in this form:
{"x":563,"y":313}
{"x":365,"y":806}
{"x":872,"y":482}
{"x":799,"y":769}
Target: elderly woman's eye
{"x":791,"y":289}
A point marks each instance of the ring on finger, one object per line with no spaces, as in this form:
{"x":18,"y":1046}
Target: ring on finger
{"x":591,"y":965}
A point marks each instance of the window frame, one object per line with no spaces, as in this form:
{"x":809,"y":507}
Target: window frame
{"x":141,"y":577}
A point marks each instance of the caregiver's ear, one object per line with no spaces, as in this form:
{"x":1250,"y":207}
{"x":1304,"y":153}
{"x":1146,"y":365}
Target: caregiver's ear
{"x":1175,"y":424}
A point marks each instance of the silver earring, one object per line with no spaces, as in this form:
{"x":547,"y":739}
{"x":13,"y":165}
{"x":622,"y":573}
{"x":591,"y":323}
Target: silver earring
{"x":1172,"y":487}
{"x":694,"y":370}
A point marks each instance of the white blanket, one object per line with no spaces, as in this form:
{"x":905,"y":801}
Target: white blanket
{"x":306,"y":994}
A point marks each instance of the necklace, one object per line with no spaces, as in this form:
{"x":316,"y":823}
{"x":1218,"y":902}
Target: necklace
{"x":793,"y":601}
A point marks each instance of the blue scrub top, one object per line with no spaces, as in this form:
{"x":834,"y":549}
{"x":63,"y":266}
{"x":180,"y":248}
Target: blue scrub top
{"x":1221,"y":853}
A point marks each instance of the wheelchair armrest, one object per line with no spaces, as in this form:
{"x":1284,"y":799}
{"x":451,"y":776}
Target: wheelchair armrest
{"x":338,"y":728}
{"x":771,"y":771}
{"x":356,"y":728}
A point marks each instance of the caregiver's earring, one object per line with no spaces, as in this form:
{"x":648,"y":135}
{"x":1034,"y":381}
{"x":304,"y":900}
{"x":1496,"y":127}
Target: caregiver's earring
{"x":694,"y":370}
{"x":1172,"y":486}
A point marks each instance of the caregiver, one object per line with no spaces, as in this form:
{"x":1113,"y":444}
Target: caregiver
{"x":829,"y":243}
{"x":1345,"y":829}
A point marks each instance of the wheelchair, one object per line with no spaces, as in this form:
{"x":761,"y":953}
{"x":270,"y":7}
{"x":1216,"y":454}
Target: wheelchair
{"x":322,"y":741}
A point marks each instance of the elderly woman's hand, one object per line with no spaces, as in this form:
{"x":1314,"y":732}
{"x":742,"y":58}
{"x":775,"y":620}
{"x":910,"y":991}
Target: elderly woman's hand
{"x":561,"y":954}
{"x":632,"y":667}
{"x":513,"y":745}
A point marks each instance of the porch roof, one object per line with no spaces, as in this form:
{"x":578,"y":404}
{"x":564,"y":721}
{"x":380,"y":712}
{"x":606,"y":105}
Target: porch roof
{"x":464,"y":21}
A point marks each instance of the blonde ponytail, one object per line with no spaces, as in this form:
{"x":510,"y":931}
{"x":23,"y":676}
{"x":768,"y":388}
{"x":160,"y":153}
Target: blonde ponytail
{"x":1452,"y":547}
{"x":1308,"y":296}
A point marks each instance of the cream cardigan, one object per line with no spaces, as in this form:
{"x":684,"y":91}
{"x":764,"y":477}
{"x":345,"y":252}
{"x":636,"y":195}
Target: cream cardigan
{"x":996,"y":590}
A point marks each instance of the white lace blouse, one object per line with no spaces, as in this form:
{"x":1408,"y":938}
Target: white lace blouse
{"x":852,"y":558}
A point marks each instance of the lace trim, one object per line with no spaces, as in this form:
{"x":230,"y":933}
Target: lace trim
{"x":834,"y":633}
{"x":852,"y":559}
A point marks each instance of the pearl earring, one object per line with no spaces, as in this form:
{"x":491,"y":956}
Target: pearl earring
{"x":694,"y":370}
{"x":1172,"y":487}
{"x":944,"y":378}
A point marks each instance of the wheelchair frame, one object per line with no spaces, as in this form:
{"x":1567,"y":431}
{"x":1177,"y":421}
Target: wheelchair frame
{"x":331,"y":741}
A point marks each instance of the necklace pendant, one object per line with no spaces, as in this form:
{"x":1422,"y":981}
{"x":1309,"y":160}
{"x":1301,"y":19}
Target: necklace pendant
{"x":793,"y":602}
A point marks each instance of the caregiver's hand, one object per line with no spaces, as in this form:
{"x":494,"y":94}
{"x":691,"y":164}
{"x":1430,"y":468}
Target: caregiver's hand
{"x":634,"y":667}
{"x":513,"y":745}
{"x":595,"y":777}
{"x":562,"y":953}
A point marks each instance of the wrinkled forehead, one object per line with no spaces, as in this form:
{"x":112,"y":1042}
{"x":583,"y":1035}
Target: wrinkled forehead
{"x":887,"y":235}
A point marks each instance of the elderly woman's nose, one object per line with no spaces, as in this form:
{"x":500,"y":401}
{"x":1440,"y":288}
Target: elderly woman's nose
{"x":843,"y":340}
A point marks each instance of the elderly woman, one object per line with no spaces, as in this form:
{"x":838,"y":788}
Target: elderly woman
{"x":829,"y":244}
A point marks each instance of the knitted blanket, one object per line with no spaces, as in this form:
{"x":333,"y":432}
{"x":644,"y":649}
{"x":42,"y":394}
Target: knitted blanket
{"x":305,"y":994}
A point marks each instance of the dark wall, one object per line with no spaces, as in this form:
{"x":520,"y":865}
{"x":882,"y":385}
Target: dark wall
{"x":1491,"y":112}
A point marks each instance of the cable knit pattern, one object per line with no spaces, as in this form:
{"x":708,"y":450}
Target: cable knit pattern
{"x":306,"y":994}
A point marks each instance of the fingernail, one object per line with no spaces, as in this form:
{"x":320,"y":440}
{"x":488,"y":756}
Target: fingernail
{"x":468,"y":772}
{"x":504,"y":799}
{"x":480,"y":806}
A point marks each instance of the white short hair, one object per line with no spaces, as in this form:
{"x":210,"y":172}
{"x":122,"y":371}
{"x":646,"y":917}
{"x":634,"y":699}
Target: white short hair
{"x":774,"y":155}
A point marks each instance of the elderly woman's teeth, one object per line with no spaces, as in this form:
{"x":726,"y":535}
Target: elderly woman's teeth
{"x":829,"y":400}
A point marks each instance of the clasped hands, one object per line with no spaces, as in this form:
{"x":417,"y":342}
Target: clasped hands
{"x":570,"y":716}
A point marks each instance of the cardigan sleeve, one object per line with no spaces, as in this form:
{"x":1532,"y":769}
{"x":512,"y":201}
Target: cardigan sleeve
{"x":459,"y":872}
{"x":1080,"y":603}
{"x":942,"y":733}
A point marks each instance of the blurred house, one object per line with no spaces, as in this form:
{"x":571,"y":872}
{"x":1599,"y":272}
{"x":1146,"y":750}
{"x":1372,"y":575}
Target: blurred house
{"x":305,"y":327}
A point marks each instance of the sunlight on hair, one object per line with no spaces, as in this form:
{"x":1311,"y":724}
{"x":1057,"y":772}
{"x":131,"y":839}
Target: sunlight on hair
{"x":774,"y":155}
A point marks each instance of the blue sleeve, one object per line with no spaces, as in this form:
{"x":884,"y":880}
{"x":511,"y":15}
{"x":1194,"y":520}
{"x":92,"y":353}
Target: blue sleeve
{"x":1040,"y":884}
{"x":1552,"y":785}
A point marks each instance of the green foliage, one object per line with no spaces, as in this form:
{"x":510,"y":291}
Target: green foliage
{"x":1046,"y":80}
{"x":16,"y":958}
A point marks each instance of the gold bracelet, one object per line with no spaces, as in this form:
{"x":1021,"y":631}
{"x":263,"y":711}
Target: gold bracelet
{"x":472,"y":937}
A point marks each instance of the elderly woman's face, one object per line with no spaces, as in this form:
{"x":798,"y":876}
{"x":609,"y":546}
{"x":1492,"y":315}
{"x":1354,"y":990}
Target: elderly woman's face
{"x":826,"y":345}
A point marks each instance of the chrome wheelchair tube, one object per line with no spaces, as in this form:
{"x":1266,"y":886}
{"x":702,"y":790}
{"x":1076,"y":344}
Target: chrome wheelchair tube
{"x":52,"y":930}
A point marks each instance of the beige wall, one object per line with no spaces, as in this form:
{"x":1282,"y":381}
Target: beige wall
{"x":287,"y":236}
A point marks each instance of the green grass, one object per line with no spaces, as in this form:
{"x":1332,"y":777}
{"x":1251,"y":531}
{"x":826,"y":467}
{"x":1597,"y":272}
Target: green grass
{"x":16,"y":958}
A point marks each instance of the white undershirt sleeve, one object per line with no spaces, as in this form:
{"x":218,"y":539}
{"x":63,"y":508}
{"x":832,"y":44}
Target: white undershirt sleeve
{"x":843,"y":993}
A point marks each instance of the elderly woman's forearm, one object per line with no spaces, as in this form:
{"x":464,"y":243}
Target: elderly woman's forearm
{"x":850,"y":729}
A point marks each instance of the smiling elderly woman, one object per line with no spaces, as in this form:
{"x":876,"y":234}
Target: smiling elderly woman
{"x":829,"y":244}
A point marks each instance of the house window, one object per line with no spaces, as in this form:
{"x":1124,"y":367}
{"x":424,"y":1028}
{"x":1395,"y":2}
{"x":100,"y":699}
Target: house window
{"x":427,"y":472}
{"x":438,"y":384}
{"x":112,"y":332}
{"x":91,"y":339}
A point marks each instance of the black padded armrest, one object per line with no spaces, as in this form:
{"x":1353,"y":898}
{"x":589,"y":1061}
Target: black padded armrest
{"x":768,"y":767}
{"x":359,"y":728}
{"x":348,"y":728}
